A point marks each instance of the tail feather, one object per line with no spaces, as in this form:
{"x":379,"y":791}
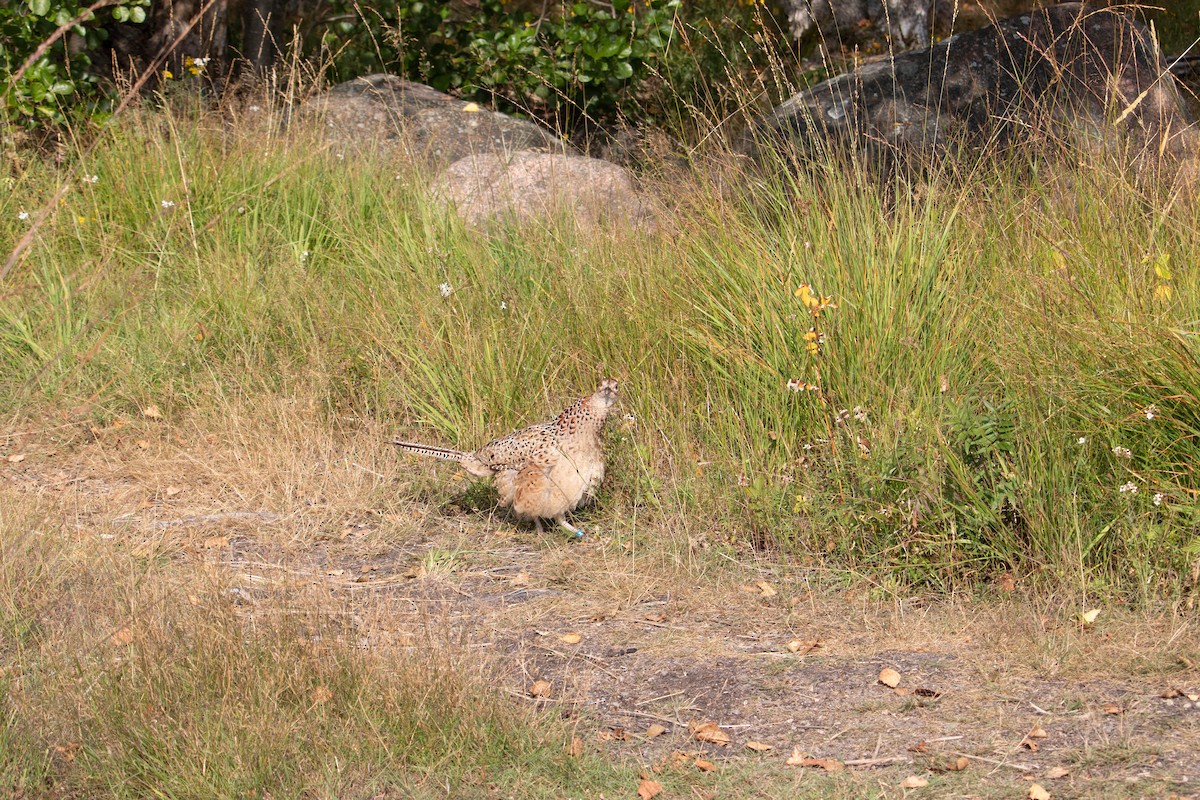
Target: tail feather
{"x":428,"y":450}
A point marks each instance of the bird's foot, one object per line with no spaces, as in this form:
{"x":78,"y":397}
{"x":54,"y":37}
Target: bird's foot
{"x":576,"y":533}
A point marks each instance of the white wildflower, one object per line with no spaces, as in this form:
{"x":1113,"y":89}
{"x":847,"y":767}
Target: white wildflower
{"x":304,"y":257}
{"x":1122,"y":452}
{"x":23,"y":215}
{"x":859,"y":414}
{"x":1130,"y":487}
{"x":340,"y":156}
{"x":1158,"y":498}
{"x":91,"y":178}
{"x":807,"y":446}
{"x":1083,"y":440}
{"x":255,"y":108}
{"x":167,"y":204}
{"x":445,"y":289}
{"x":1151,"y":412}
{"x":503,"y":306}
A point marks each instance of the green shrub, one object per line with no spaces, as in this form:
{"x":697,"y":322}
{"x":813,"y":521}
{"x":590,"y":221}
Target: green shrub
{"x":61,"y":79}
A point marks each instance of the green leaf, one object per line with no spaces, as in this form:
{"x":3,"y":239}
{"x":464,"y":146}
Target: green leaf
{"x":121,"y":14}
{"x":137,"y":14}
{"x":40,"y":8}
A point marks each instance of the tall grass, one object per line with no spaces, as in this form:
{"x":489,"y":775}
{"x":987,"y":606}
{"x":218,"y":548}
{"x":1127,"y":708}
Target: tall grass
{"x":984,"y":326}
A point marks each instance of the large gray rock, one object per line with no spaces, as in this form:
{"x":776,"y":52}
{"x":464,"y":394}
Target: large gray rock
{"x":842,"y":22}
{"x":386,"y":111}
{"x":530,"y":186}
{"x":1091,"y":75}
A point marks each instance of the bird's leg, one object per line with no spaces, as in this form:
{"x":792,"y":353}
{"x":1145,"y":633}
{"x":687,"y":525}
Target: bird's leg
{"x":563,"y":522}
{"x":537,"y":524}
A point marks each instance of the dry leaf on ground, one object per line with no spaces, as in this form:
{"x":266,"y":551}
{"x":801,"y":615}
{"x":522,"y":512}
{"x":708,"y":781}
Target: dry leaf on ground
{"x":889,"y":677}
{"x":1036,"y":792}
{"x":758,"y":747}
{"x":1038,"y":732}
{"x":765,"y":589}
{"x":572,"y":638}
{"x":799,"y":759}
{"x":914,"y":782}
{"x":802,"y":646}
{"x":152,"y":412}
{"x":704,"y":766}
{"x":710,"y":732}
{"x":1057,"y":772}
{"x":575,"y":748}
{"x":539,"y":689}
{"x":655,"y":730}
{"x":321,"y":694}
{"x":16,"y":458}
{"x":1088,"y":617}
{"x":123,"y":636}
{"x":648,"y":789}
{"x":171,"y":491}
{"x":1113,"y":708}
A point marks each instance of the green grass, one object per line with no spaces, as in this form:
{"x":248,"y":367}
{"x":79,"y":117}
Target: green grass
{"x":984,"y":324}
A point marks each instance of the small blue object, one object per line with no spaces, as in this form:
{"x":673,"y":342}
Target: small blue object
{"x":578,"y":535}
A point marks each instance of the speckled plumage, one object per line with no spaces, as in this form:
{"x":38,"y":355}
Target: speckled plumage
{"x":547,"y":470}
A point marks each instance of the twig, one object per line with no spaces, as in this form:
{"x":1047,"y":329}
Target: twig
{"x":1009,"y":764}
{"x":878,"y":762}
{"x":647,"y":715}
{"x":203,"y":519}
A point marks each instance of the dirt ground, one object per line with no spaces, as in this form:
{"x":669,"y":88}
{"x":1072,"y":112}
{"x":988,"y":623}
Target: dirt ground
{"x":643,"y":631}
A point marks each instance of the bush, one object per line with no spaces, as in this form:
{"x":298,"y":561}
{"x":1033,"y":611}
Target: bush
{"x":60,"y":80}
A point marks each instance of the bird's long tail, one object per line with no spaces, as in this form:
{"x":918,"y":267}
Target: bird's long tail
{"x":428,"y":450}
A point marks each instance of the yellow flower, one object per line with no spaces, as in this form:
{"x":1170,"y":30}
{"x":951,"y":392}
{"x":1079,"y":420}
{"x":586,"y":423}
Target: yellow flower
{"x":810,"y":300}
{"x":811,"y":336}
{"x":1162,"y":292}
{"x":168,"y":74}
{"x":811,"y":347}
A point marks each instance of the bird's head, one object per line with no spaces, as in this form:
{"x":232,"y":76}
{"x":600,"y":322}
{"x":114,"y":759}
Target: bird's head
{"x":606,"y":396}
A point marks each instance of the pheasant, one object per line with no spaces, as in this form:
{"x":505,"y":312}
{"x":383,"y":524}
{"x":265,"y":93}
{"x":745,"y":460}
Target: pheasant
{"x":546,"y":470}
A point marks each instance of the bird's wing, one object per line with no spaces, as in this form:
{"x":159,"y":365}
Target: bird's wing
{"x":534,"y":444}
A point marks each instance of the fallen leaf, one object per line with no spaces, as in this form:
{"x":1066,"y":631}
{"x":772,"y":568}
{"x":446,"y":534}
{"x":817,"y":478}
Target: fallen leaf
{"x":704,"y":766}
{"x":889,"y":677}
{"x":575,"y":748}
{"x":1036,"y":792}
{"x":1006,"y":583}
{"x":333,"y":573}
{"x":572,"y":638}
{"x":539,"y":689}
{"x":1113,"y":708}
{"x":193,"y":599}
{"x":1167,"y":694}
{"x":604,"y":736}
{"x":123,"y":636}
{"x":321,"y":694}
{"x":1088,"y":617}
{"x":1057,"y":772}
{"x":17,"y":458}
{"x":799,"y":759}
{"x":152,"y":412}
{"x":710,"y":732}
{"x":913,"y":782}
{"x":1193,"y":697}
{"x":1030,"y":745}
{"x":920,"y":747}
{"x":619,"y":734}
{"x":215,"y":542}
{"x":471,"y":108}
{"x":766,"y":589}
{"x":655,"y":730}
{"x":960,"y":763}
{"x":802,"y":646}
{"x":68,"y":750}
{"x":758,"y":747}
{"x":648,"y":789}
{"x":1038,"y":732}
{"x":520,"y":579}
{"x":171,"y":491}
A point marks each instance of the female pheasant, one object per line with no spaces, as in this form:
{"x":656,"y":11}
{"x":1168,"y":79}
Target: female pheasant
{"x":547,"y":470}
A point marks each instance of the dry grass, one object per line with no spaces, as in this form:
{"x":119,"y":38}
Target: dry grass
{"x":364,"y":630}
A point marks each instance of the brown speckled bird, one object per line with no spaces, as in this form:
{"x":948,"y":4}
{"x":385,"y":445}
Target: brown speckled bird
{"x":546,"y":470}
